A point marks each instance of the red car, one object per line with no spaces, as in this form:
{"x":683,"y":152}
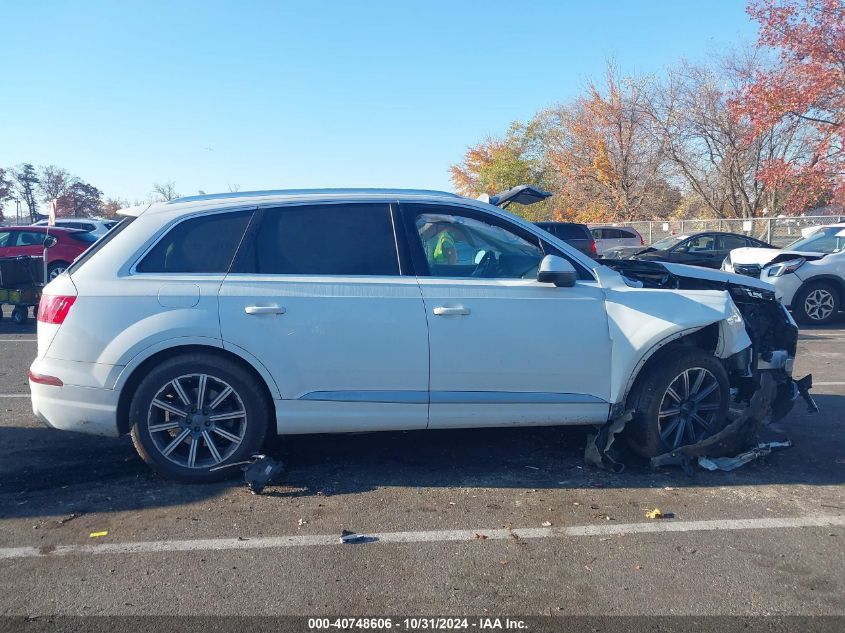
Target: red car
{"x":29,"y":240}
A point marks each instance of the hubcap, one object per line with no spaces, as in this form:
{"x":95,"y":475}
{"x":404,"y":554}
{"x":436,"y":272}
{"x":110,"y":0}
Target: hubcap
{"x":689,"y":408}
{"x":56,"y":272}
{"x":197,"y":421}
{"x":819,"y":304}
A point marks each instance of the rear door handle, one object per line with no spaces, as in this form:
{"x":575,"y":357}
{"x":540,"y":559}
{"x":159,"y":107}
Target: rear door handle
{"x":444,"y":311}
{"x":264,"y":310}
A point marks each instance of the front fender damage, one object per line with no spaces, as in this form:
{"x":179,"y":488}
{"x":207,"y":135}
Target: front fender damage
{"x":757,"y":341}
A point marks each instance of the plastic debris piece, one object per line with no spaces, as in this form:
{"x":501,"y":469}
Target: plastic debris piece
{"x":654,"y":514}
{"x":98,"y":534}
{"x":261,"y":472}
{"x":732,"y":463}
{"x":352,"y":538}
{"x":546,"y":524}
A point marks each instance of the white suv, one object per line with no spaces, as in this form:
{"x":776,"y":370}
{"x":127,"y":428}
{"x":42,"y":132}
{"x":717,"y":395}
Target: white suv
{"x":809,"y":274}
{"x":202,"y":324}
{"x":96,"y":227}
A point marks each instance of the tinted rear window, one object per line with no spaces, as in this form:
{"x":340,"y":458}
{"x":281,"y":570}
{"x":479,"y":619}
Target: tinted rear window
{"x":84,"y":237}
{"x":205,"y":244}
{"x":568,"y":231}
{"x":331,"y":239}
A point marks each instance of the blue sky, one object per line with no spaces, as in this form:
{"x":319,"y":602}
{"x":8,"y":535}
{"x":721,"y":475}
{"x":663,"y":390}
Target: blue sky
{"x":300,"y":94}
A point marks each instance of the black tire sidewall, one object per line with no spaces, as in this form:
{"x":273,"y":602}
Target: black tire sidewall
{"x":240,"y":380}
{"x":54,"y":266}
{"x":798,"y":304}
{"x":644,"y":436}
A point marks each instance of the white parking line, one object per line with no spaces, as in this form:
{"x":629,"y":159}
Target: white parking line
{"x":828,"y":384}
{"x":432,"y":536}
{"x":14,"y":395}
{"x":18,"y":340}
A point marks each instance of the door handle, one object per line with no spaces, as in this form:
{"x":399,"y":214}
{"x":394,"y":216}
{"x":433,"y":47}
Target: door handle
{"x":444,"y":311}
{"x":264,"y":310}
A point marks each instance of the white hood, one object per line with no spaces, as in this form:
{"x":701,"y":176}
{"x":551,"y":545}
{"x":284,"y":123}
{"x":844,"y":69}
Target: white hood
{"x":699,"y":272}
{"x":762,"y":256}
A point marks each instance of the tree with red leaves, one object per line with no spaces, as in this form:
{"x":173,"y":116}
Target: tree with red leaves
{"x":805,"y":87}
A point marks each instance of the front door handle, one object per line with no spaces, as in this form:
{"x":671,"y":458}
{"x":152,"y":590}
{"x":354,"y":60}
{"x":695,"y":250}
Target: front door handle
{"x":444,"y":311}
{"x":264,"y":310}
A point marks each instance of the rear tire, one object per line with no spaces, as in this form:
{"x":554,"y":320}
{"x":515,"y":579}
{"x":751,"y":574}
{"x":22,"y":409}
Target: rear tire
{"x":195,"y":412}
{"x":817,"y":303}
{"x":55,"y":269}
{"x":682,"y":399}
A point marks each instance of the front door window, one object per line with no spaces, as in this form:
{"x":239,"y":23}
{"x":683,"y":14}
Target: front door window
{"x":459,"y":246}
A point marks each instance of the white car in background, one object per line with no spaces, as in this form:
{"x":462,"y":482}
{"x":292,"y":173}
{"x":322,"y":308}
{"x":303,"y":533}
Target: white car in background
{"x":96,"y":227}
{"x":809,"y":274}
{"x":610,"y":237}
{"x":202,"y":324}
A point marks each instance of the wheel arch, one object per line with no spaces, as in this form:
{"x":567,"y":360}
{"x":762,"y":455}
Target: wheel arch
{"x":836,"y":281}
{"x":131,"y":377}
{"x":705,"y":338}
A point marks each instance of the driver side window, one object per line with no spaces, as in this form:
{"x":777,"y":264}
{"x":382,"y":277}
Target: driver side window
{"x":461,"y":246}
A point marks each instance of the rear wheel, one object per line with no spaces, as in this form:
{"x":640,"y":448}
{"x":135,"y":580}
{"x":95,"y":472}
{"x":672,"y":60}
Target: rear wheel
{"x":196,"y":412}
{"x":816,"y":303}
{"x":681,"y":400}
{"x":55,"y":269}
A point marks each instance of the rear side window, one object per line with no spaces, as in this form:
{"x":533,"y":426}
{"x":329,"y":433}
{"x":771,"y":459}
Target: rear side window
{"x":568,"y":231}
{"x":330,"y":239}
{"x":83,"y":236}
{"x":205,"y":244}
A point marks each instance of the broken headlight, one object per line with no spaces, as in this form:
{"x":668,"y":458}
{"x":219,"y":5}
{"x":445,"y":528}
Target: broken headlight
{"x":782,"y":268}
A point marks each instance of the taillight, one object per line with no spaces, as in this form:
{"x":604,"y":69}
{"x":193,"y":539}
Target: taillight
{"x":54,"y":308}
{"x":642,"y":241}
{"x":593,"y":250}
{"x":42,"y":379}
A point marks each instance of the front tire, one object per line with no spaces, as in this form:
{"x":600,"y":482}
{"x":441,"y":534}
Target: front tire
{"x":196,"y":412}
{"x":817,"y":303}
{"x":682,"y":399}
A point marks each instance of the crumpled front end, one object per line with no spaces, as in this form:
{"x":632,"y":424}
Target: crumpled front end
{"x":754,"y":336}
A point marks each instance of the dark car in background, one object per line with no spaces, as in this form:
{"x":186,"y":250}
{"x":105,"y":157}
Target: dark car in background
{"x":574,"y":234}
{"x":707,"y":249}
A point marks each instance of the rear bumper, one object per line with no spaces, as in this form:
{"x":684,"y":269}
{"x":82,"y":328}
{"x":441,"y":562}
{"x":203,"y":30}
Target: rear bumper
{"x":70,"y":408}
{"x":89,"y":407}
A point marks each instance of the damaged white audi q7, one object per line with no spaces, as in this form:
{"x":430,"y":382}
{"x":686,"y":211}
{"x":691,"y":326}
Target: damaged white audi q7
{"x":201,"y":325}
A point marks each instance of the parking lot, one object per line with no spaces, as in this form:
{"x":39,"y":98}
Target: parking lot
{"x":498,"y":522}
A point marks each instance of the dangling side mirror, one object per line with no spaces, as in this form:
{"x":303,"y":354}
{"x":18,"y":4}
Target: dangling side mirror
{"x":50,"y":241}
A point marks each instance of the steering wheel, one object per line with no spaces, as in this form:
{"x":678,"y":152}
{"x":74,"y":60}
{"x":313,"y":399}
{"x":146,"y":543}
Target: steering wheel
{"x":488,"y":266}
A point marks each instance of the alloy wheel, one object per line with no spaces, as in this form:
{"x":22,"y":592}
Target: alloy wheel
{"x":197,"y":421}
{"x":55,"y":272}
{"x":819,"y":304}
{"x":689,"y":408}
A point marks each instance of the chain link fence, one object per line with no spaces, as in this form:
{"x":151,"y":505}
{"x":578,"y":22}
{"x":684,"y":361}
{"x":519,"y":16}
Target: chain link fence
{"x":776,"y":231}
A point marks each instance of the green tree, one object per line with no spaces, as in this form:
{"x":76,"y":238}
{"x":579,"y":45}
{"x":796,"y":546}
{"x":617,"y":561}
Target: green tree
{"x":26,"y":183}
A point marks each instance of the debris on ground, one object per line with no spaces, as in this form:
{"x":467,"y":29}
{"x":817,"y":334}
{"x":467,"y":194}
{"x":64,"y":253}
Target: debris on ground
{"x":657,"y":513}
{"x":349,"y":537}
{"x":732,"y":463}
{"x":480,"y":537}
{"x":546,"y":524}
{"x":98,"y":534}
{"x":259,"y":471}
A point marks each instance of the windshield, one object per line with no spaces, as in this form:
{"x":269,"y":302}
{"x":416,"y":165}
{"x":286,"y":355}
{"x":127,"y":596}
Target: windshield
{"x":668,"y":242}
{"x":822,"y":241}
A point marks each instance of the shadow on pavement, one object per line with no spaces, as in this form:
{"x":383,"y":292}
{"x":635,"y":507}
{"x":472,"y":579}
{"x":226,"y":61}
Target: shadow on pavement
{"x":44,"y":471}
